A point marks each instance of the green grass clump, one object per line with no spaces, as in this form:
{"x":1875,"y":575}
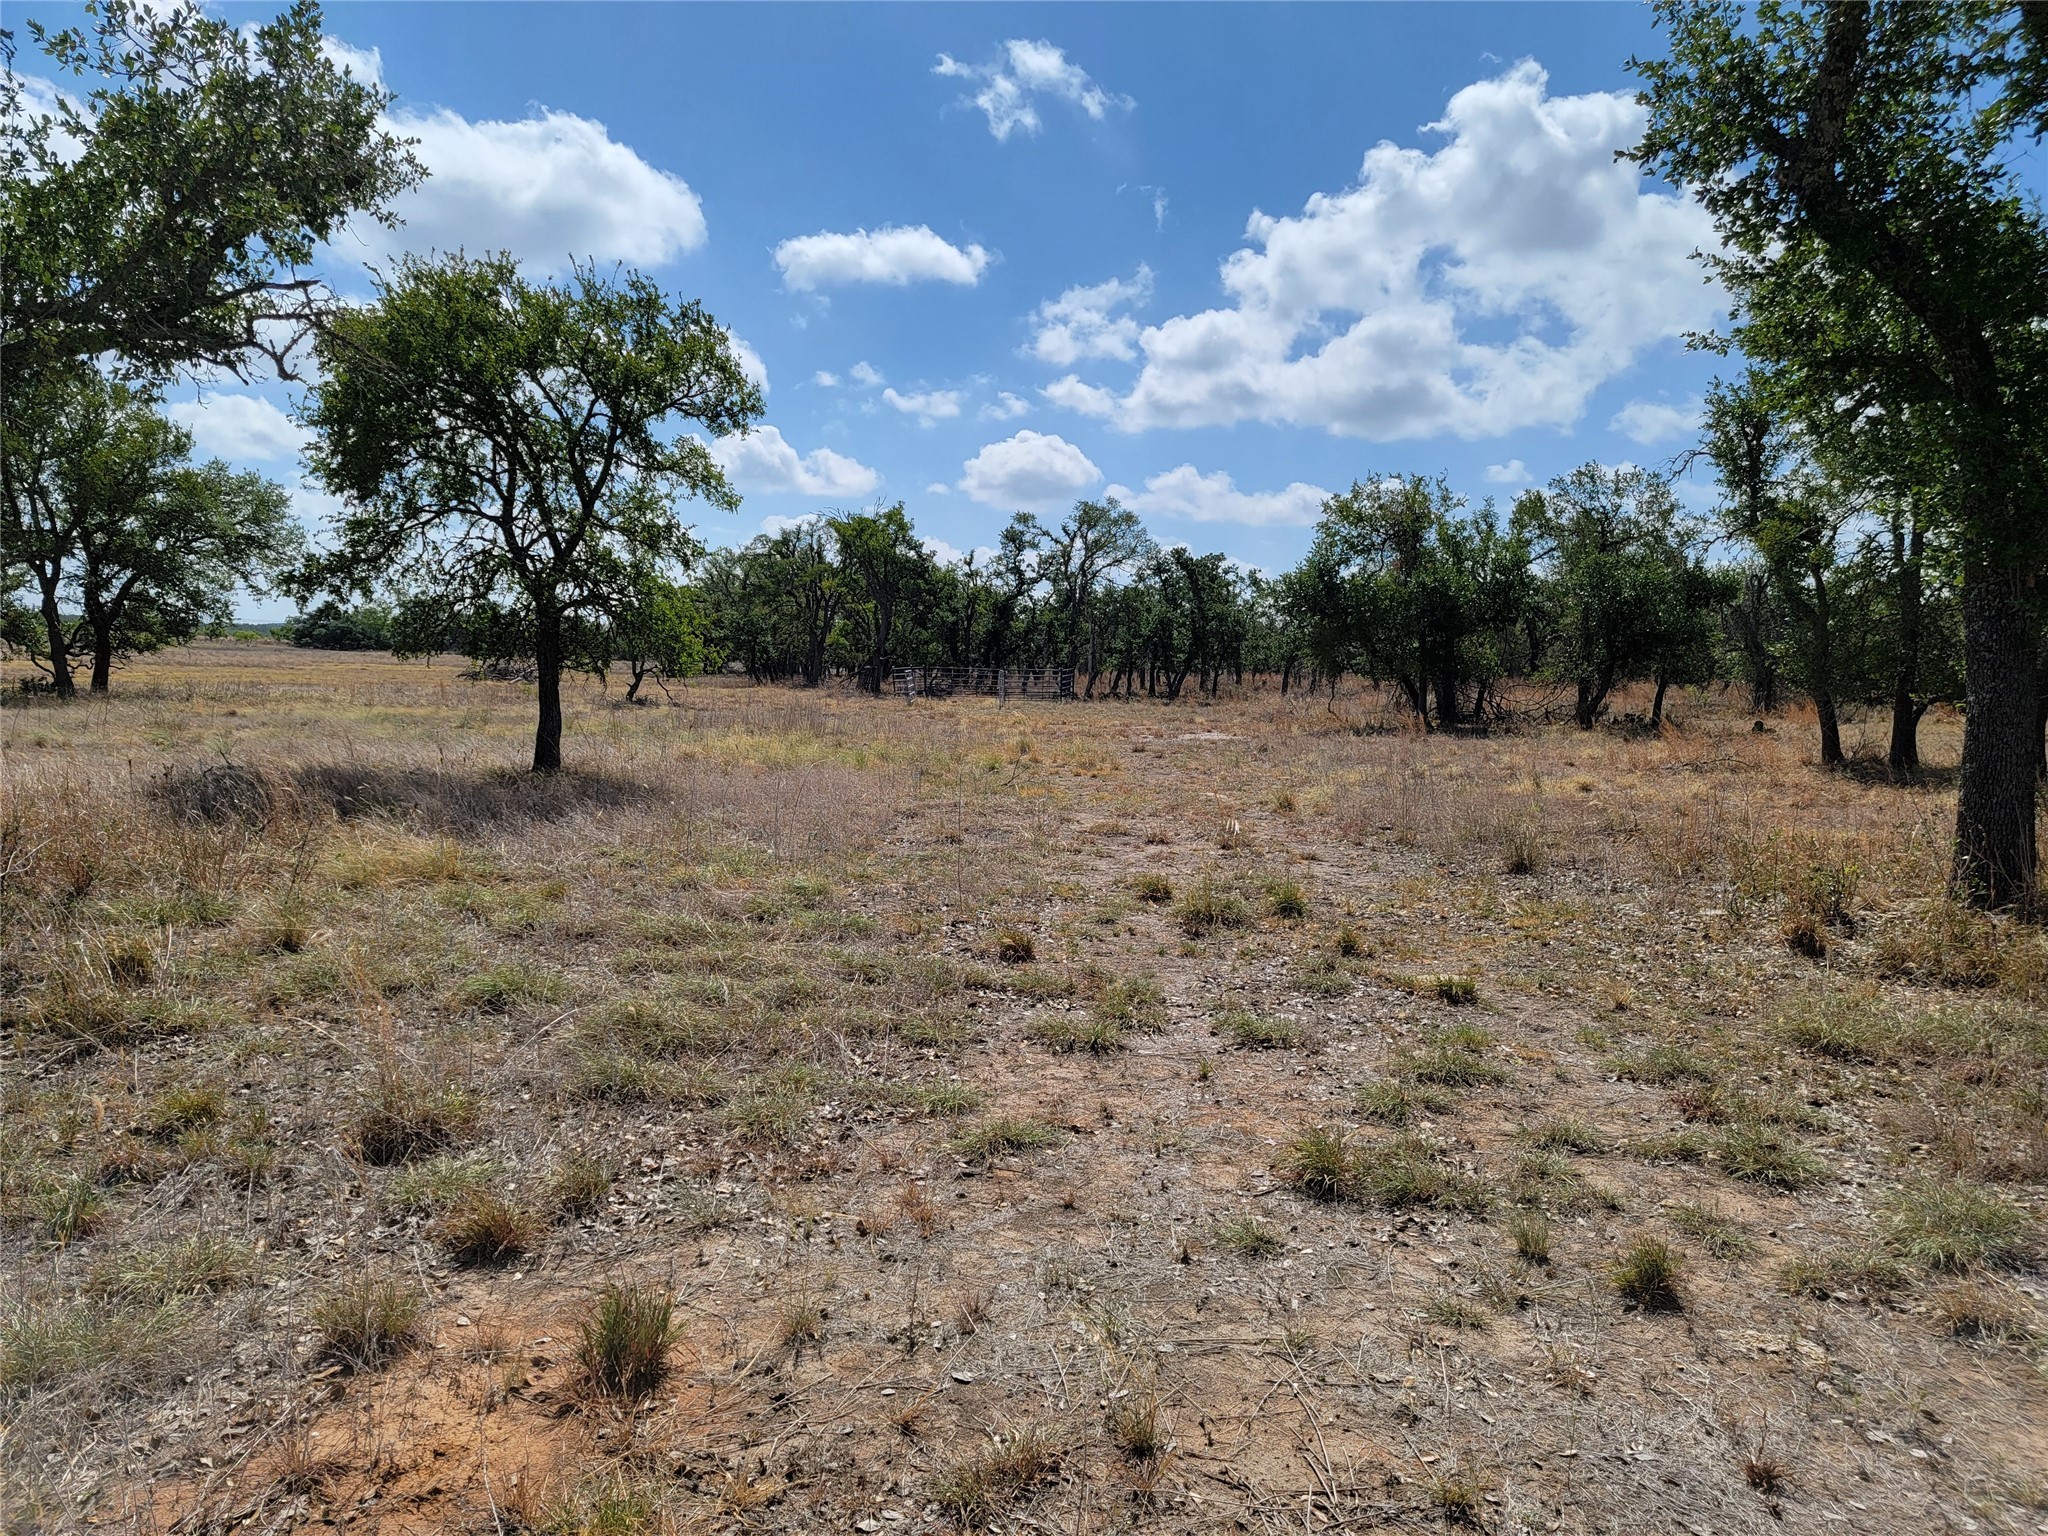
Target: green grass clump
{"x":622,"y":1344}
{"x":1646,"y":1274}
{"x":1206,"y":909}
{"x":979,"y":1487}
{"x":949,"y":1100}
{"x":501,"y":988}
{"x":1459,"y":1057}
{"x":1565,"y":1133}
{"x":1947,"y":1224}
{"x":487,"y":1228}
{"x":1662,"y":1066}
{"x":404,"y":1119}
{"x":189,"y":1107}
{"x":68,"y":1208}
{"x":1848,"y":1273}
{"x":1156,"y":889}
{"x":188,"y":1266}
{"x":1763,"y":1154}
{"x":1408,"y":1171}
{"x":1529,"y":1231}
{"x":1317,"y":1162}
{"x":581,"y":1184}
{"x":1067,"y":1034}
{"x":984,"y":1143}
{"x":430,"y":1187}
{"x":46,"y":1345}
{"x":1712,"y":1230}
{"x":1248,"y":1237}
{"x":1286,"y":900}
{"x":367,"y":1319}
{"x":1131,"y":1002}
{"x":1388,"y":1103}
{"x":1257,"y":1032}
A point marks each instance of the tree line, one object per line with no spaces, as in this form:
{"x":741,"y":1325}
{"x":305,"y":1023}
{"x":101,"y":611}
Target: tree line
{"x":511,"y":455}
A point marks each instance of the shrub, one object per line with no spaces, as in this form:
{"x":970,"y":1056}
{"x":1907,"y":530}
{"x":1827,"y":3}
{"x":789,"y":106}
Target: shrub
{"x":1646,"y":1274}
{"x":1951,"y":1225}
{"x":367,"y":1319}
{"x":622,"y":1345}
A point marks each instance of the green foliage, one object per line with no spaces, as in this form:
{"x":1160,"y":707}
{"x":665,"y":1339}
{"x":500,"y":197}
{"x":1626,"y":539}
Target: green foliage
{"x":330,"y":626}
{"x":1403,"y":582}
{"x":194,"y":168}
{"x":1628,"y":584}
{"x":509,"y":448}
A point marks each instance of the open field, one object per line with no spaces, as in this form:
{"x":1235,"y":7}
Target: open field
{"x":1100,"y":1117}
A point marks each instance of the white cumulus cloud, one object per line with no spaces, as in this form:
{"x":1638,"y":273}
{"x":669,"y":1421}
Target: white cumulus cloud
{"x":1005,"y":407}
{"x":1083,"y":322}
{"x":1514,"y":472}
{"x":864,"y":374}
{"x":549,"y":188}
{"x":928,"y":407}
{"x":1024,"y":69}
{"x":1032,"y":469}
{"x":1071,"y":394}
{"x":235,"y":426}
{"x":1657,"y":421}
{"x":1214,"y":498}
{"x":1488,"y":285}
{"x":894,"y":255}
{"x":763,"y":461}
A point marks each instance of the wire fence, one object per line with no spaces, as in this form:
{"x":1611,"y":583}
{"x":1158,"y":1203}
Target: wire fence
{"x":1000,"y":683}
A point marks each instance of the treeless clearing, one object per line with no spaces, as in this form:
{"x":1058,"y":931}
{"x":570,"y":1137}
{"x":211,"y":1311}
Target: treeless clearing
{"x":1108,"y":1116}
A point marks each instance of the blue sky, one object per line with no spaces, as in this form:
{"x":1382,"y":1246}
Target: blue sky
{"x":1217,"y":260}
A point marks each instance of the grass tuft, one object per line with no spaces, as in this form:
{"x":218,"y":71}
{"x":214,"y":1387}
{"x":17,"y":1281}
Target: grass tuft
{"x":1646,"y":1275}
{"x":622,"y":1344}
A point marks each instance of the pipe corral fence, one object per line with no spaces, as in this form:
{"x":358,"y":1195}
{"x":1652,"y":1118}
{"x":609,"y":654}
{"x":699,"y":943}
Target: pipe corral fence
{"x":999,"y":683}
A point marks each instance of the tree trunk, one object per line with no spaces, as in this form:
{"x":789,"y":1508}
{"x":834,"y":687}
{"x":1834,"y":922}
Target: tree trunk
{"x":547,"y":667}
{"x":1587,"y":708}
{"x":60,"y":658}
{"x":1447,"y":690}
{"x":1904,"y":756}
{"x":1830,"y":730}
{"x":1994,"y":859}
{"x":1657,"y":704}
{"x":102,"y":659}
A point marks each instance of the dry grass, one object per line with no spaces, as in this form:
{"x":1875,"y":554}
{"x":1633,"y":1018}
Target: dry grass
{"x":898,"y":1049}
